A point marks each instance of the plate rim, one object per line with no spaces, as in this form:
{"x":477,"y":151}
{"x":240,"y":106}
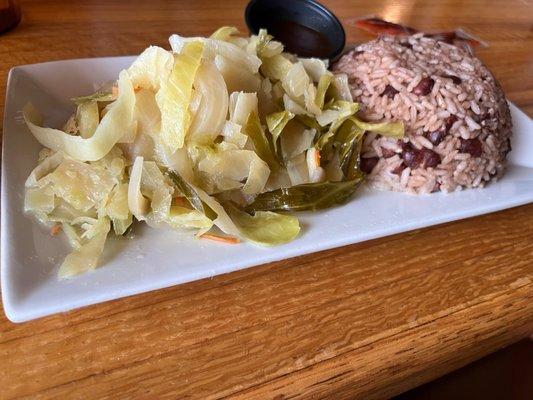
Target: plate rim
{"x":21,"y":315}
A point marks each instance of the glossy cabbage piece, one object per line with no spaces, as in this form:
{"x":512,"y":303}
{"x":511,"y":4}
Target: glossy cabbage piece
{"x":113,"y":126}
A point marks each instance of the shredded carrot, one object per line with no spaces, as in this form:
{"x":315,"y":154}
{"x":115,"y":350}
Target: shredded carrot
{"x":55,"y":229}
{"x":317,"y":158}
{"x":223,"y":239}
{"x":136,"y":88}
{"x":180,"y":201}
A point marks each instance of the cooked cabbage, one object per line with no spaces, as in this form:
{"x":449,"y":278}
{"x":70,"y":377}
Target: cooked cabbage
{"x":391,"y":129}
{"x":118,"y":209}
{"x":151,"y":68}
{"x":265,"y":228}
{"x":276,"y":67}
{"x":47,"y":165}
{"x":276,"y":123}
{"x":296,"y":139}
{"x":226,"y":168}
{"x":263,"y":45}
{"x":322,"y":87}
{"x":175,"y":94}
{"x":237,"y":77}
{"x":241,"y":105}
{"x":185,"y":218}
{"x":316,"y":172}
{"x":213,"y":108}
{"x":112,"y":128}
{"x":293,"y":106}
{"x":315,"y":68}
{"x":81,"y":185}
{"x":137,"y":203}
{"x":261,"y":144}
{"x":295,"y":81}
{"x":232,"y":133}
{"x":298,"y":170}
{"x":340,"y":88}
{"x":337,"y":113}
{"x":87,"y":118}
{"x":86,"y":257}
{"x":216,"y":134}
{"x":214,"y":47}
{"x":224,"y":33}
{"x":39,"y":200}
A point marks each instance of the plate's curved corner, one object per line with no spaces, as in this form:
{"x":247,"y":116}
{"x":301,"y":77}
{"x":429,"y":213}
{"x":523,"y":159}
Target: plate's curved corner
{"x":522,"y":139}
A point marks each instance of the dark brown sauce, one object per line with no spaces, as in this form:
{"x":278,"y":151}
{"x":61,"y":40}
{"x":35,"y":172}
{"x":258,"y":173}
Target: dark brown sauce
{"x":300,"y":39}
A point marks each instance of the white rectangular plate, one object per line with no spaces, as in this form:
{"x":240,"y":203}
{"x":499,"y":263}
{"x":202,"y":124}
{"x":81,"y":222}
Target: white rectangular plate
{"x":157,"y":259}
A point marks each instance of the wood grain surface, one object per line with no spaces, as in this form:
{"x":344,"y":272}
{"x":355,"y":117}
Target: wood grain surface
{"x":363,"y":321}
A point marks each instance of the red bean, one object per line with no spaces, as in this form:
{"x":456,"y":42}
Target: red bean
{"x":436,"y":137}
{"x":398,"y":170}
{"x":368,"y":164}
{"x":415,"y":158}
{"x":455,"y":79}
{"x":430,"y":159}
{"x":448,"y":123}
{"x":424,"y":86}
{"x":471,"y":146}
{"x":387,"y":153}
{"x":411,"y":156}
{"x":389,"y":92}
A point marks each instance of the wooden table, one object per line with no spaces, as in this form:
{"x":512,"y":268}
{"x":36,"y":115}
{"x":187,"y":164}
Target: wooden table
{"x":363,"y":321}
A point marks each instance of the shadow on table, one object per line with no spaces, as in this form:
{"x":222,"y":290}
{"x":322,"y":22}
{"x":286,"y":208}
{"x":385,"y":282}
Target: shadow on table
{"x":506,"y":374}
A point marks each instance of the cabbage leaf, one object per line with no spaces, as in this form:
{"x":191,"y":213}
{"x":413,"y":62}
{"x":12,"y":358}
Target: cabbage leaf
{"x":265,"y":228}
{"x":87,"y":118}
{"x":111,"y":129}
{"x":86,"y":257}
{"x":232,"y":133}
{"x":99,"y":96}
{"x":175,"y":94}
{"x":241,"y":105}
{"x":322,"y":87}
{"x":276,"y":123}
{"x":309,"y":196}
{"x":237,"y":77}
{"x":262,"y":146}
{"x":315,"y":68}
{"x":214,"y":47}
{"x":389,"y":129}
{"x":224,"y":33}
{"x":151,"y":68}
{"x":211,"y":114}
{"x":276,"y":67}
{"x":340,"y":89}
{"x":137,"y":203}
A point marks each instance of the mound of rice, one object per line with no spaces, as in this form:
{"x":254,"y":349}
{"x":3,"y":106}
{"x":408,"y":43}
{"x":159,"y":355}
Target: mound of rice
{"x":457,"y":120}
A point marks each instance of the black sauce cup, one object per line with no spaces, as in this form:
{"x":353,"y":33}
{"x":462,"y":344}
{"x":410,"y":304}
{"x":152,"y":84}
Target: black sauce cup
{"x":305,"y":27}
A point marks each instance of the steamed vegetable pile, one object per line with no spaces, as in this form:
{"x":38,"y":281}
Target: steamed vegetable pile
{"x":221,"y":136}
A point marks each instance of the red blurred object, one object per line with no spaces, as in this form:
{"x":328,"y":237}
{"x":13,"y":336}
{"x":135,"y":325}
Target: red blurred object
{"x":378,"y":26}
{"x":9,"y":14}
